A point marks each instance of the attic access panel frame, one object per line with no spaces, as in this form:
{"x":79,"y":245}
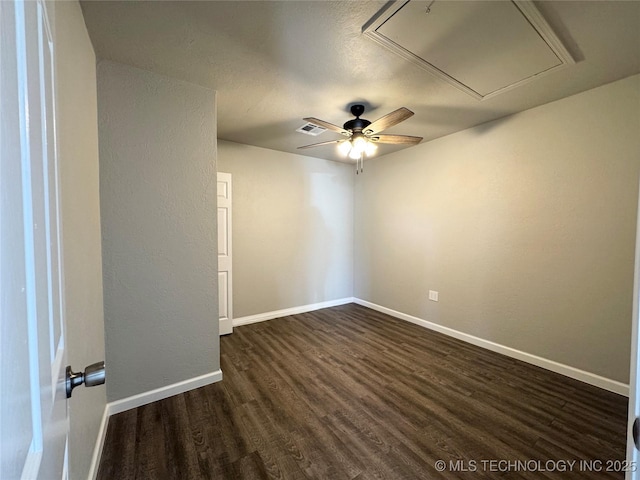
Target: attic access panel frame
{"x":526,"y":8}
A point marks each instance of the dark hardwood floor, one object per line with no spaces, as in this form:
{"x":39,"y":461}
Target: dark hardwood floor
{"x":350,"y":393}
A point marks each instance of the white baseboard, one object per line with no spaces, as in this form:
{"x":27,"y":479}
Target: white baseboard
{"x":97,"y":449}
{"x":139,"y":400}
{"x":587,"y":377}
{"x":261,"y":317}
{"x":164,"y":392}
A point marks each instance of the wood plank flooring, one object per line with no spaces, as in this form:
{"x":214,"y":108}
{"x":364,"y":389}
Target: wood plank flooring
{"x":350,"y":393}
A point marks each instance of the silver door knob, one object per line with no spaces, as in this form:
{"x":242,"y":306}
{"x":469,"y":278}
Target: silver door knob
{"x":93,"y":375}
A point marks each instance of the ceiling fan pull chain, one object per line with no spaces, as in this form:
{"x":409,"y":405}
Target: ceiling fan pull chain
{"x":359,"y":165}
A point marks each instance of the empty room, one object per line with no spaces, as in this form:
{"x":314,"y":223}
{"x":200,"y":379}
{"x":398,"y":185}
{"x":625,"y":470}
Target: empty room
{"x":319,"y":239}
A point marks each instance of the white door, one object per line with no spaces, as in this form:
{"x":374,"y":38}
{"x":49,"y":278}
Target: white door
{"x":225,"y":276}
{"x":634,"y":386}
{"x":33,"y":408}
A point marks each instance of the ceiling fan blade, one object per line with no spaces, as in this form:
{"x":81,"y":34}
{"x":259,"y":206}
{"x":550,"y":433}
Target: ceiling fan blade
{"x":321,"y":143}
{"x":395,"y":139}
{"x":389,"y":120}
{"x":328,"y":126}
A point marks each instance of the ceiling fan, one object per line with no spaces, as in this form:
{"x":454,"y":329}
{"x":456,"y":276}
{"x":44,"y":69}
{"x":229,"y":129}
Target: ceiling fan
{"x":362,"y":135}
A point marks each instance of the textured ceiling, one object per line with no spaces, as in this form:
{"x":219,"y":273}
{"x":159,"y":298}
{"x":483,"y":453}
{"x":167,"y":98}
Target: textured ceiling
{"x":274,"y":62}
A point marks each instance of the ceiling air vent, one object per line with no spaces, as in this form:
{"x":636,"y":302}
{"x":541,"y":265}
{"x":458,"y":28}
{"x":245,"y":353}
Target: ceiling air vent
{"x":311,"y":129}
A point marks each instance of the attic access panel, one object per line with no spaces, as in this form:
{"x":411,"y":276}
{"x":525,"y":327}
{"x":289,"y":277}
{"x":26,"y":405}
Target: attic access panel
{"x":481,"y":47}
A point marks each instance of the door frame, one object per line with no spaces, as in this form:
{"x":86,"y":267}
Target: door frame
{"x":633,"y":455}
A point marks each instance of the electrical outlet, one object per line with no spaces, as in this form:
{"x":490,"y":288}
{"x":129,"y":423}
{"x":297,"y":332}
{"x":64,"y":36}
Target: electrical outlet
{"x":433,"y":295}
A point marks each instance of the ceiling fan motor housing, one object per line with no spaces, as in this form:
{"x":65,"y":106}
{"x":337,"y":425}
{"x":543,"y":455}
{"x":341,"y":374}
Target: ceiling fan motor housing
{"x":357,"y":124}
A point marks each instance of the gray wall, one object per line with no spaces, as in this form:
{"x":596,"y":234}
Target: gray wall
{"x":525,"y":226}
{"x":78,"y":149}
{"x":292,"y":228}
{"x":158,"y":206}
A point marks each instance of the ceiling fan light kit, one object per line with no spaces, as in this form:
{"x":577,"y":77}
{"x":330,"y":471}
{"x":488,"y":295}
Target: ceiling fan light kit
{"x":357,"y":146}
{"x":362,"y":135}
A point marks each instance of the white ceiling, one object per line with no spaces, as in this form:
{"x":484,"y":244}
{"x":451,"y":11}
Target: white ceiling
{"x":274,"y":62}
